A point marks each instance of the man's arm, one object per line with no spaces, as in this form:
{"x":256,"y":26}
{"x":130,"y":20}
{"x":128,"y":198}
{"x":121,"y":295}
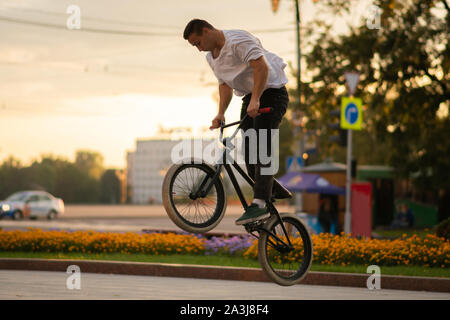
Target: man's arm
{"x":225,"y":96}
{"x":260,"y":75}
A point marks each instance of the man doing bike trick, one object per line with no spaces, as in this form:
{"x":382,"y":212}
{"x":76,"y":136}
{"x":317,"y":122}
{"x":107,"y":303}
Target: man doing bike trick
{"x":240,"y":63}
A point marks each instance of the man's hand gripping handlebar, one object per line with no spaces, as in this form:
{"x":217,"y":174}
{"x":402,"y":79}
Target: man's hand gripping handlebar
{"x":223,"y":125}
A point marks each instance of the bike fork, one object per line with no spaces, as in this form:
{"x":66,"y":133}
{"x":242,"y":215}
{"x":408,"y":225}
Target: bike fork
{"x":199,"y":192}
{"x":217,"y":171}
{"x":273,"y":210}
{"x":259,"y":227}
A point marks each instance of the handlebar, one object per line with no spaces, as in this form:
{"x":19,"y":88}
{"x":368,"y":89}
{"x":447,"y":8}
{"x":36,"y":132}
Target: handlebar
{"x":266,"y":110}
{"x":261,"y":110}
{"x":223,"y":125}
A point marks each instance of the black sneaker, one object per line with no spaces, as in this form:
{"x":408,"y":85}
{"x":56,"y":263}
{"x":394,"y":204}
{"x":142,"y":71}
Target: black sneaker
{"x":252,"y":214}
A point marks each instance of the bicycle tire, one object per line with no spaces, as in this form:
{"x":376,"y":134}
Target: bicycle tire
{"x":182,"y":221}
{"x":266,"y":259}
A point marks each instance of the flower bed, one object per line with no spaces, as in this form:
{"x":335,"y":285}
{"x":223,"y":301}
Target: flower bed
{"x":99,"y":242}
{"x":236,"y":245}
{"x":430,"y":251}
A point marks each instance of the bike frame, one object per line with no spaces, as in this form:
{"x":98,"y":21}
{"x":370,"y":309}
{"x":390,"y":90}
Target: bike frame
{"x":218,"y":169}
{"x":228,"y":147}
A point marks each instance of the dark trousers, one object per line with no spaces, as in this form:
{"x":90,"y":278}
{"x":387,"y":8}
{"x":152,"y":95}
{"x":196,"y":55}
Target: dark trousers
{"x":278,"y":99}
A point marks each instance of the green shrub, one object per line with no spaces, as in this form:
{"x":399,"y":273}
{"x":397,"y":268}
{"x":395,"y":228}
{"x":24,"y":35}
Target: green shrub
{"x":443,"y":229}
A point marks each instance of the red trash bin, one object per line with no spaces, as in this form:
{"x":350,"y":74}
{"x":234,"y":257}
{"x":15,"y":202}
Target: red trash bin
{"x":361,"y":206}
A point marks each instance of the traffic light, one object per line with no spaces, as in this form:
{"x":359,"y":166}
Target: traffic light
{"x":341,"y":134}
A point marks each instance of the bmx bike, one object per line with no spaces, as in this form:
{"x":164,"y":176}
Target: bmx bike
{"x":194,"y":198}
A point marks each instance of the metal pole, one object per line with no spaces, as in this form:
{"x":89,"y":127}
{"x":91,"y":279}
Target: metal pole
{"x":299,"y":196}
{"x":348,"y":215}
{"x":297,"y":11}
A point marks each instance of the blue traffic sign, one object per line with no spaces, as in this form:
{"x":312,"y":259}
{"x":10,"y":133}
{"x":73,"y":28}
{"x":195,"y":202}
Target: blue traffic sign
{"x":294,"y":163}
{"x":351,"y":113}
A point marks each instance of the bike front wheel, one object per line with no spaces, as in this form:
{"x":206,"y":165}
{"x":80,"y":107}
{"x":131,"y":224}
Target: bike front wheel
{"x":285,"y":261}
{"x":193,"y":214}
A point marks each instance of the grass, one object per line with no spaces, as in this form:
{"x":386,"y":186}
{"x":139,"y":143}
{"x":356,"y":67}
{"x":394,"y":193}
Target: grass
{"x":398,"y":233}
{"x":221,"y":260}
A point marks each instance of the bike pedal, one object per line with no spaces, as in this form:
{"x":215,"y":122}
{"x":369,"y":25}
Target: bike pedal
{"x":254,"y":226}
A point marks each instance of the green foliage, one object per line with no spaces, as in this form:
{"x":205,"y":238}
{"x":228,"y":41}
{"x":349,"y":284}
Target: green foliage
{"x":110,"y":187}
{"x":77,"y":182}
{"x":404,"y":84}
{"x":286,"y":143}
{"x":90,"y":162}
{"x":443,"y":229}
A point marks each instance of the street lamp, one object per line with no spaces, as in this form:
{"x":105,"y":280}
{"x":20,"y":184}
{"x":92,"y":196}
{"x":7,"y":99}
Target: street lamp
{"x":275,"y":5}
{"x":297,"y":130}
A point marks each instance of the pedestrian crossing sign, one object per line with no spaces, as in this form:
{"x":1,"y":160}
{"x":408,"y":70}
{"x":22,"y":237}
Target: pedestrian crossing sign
{"x":294,"y":164}
{"x":351,"y":113}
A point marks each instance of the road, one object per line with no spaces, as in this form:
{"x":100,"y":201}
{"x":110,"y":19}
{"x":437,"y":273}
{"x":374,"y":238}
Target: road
{"x":52,"y":285}
{"x":121,"y":218}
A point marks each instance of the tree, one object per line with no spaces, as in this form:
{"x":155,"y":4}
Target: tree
{"x":285,"y":144}
{"x":110,"y":189}
{"x":90,"y":162}
{"x":11,"y":177}
{"x":404,"y":84}
{"x":57,"y":176}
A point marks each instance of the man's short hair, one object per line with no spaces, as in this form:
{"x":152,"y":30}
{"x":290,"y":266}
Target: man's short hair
{"x":196,"y":26}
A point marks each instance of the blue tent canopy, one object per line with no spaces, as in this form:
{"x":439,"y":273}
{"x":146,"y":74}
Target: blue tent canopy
{"x":307,"y":182}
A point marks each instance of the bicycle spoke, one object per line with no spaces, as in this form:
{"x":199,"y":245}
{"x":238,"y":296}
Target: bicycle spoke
{"x":188,"y":181}
{"x":277,"y":239}
{"x":285,"y":260}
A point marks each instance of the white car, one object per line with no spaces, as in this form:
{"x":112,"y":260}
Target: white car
{"x":31,"y":204}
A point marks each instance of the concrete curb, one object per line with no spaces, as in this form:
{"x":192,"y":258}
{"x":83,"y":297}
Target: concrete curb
{"x":223,"y":273}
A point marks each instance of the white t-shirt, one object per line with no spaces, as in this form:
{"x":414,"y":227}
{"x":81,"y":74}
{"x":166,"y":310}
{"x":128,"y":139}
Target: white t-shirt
{"x":232,"y":65}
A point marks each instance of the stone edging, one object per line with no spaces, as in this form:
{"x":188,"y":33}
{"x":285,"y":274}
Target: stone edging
{"x":223,"y":273}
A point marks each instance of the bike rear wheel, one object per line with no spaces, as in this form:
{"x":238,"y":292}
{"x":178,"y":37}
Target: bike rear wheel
{"x":285,"y":264}
{"x":195,"y":215}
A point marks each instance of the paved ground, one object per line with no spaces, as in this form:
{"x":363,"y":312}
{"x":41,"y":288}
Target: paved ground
{"x":132,"y":218}
{"x":52,"y":285}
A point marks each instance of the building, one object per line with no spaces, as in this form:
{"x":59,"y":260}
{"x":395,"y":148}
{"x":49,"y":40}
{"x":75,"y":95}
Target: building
{"x":146,"y":167}
{"x":148,"y":164}
{"x":335,"y":174}
{"x":381,"y":178}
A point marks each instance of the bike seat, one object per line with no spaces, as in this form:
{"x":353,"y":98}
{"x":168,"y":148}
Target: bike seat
{"x":284,"y":194}
{"x":279,"y":191}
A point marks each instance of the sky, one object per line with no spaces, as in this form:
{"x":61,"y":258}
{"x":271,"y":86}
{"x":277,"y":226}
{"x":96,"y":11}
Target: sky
{"x":64,"y":90}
